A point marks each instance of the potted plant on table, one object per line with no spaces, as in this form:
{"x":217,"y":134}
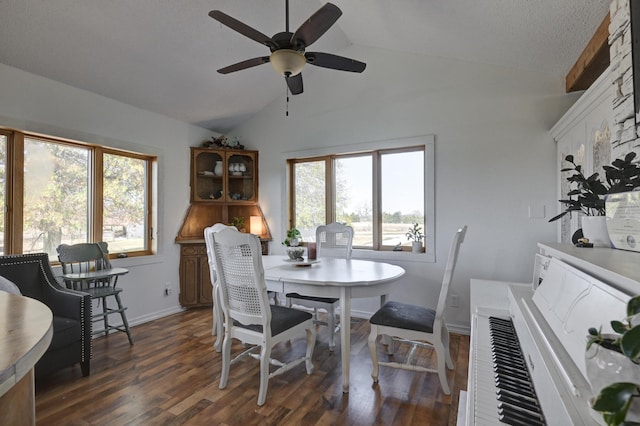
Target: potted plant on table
{"x":623,"y":175}
{"x":292,"y":243}
{"x":610,"y":357}
{"x":293,"y":238}
{"x":415,"y":235}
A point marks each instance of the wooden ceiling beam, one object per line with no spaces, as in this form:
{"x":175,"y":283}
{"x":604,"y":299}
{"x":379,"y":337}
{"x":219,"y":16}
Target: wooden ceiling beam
{"x":592,"y":62}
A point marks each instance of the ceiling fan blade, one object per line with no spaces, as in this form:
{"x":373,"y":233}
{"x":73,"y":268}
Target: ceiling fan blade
{"x":295,"y":84}
{"x":243,"y":29}
{"x":244,"y":65}
{"x":315,"y":26}
{"x":327,"y":60}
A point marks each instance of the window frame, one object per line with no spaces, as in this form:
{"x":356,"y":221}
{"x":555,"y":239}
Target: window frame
{"x":14,"y":190}
{"x":378,"y":148}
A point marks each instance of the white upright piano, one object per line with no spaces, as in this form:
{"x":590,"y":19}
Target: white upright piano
{"x":526,"y":357}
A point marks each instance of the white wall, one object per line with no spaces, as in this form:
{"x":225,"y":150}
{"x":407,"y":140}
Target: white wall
{"x":33,"y":103}
{"x":493,"y":152}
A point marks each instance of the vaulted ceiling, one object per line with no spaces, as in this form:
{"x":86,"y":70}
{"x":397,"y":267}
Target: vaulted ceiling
{"x":162,"y":55}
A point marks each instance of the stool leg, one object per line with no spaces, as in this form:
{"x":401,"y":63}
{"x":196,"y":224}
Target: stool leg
{"x":106,"y":316}
{"x":124,"y":318}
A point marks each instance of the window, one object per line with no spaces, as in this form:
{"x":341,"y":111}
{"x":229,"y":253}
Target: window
{"x":56,"y":196}
{"x":124,"y":202}
{"x":401,"y":195}
{"x":310,"y":192}
{"x":354,"y":196}
{"x":380,"y":193}
{"x":3,"y":186}
{"x":73,"y":192}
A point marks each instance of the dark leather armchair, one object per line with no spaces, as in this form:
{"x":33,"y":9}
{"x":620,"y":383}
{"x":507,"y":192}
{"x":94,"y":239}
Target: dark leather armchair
{"x":71,"y":342}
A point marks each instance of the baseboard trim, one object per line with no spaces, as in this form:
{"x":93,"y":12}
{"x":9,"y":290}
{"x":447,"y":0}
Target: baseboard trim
{"x":147,"y":318}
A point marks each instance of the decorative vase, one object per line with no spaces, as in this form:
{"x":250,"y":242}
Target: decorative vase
{"x":416,"y":247}
{"x":595,"y":229}
{"x":604,"y":367}
{"x":295,"y":253}
{"x":217,"y":170}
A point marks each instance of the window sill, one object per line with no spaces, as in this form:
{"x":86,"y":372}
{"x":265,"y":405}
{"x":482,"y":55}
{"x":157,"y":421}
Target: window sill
{"x":133,"y":261}
{"x":395,"y":256}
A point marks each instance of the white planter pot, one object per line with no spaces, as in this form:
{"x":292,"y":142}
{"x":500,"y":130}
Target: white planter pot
{"x":605,"y":367}
{"x":416,"y":247}
{"x":595,"y":229}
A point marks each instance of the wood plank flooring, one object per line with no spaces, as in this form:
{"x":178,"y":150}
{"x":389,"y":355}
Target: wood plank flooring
{"x":171,"y":377}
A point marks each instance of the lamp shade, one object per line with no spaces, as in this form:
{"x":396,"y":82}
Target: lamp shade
{"x":255,"y":225}
{"x":287,"y":62}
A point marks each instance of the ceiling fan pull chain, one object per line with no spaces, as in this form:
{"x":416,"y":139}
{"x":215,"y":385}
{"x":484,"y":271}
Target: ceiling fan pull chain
{"x":287,"y":89}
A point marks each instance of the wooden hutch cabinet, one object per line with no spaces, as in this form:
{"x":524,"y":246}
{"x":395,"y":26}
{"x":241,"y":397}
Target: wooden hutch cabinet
{"x":224,"y":176}
{"x":224,"y":187}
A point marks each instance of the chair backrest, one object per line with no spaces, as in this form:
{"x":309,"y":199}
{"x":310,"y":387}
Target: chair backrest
{"x":334,"y":240}
{"x":208,"y":241}
{"x":31,"y":273}
{"x":243,"y":292}
{"x":458,"y":239}
{"x":83,"y":257}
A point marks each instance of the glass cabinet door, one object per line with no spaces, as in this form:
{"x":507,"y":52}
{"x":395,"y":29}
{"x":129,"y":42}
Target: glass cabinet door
{"x":241,"y":181}
{"x":208,"y":176}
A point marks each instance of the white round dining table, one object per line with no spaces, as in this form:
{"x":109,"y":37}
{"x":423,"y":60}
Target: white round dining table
{"x":337,"y":278}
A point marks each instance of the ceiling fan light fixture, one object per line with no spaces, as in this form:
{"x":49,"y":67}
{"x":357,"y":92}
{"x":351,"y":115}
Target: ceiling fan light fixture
{"x":287,"y":62}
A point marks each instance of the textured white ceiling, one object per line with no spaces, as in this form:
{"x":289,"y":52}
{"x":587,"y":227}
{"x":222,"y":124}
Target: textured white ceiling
{"x":162,"y":55}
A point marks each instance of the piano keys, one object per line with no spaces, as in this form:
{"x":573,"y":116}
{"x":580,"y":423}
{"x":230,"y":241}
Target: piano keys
{"x":518,"y":404}
{"x":545,"y":382}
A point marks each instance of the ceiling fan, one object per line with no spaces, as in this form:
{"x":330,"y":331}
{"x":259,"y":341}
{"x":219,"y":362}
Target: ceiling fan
{"x":288,"y":55}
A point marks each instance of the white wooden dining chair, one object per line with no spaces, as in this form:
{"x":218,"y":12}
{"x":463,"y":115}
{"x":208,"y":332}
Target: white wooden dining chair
{"x":332,"y":241}
{"x":248,"y":316}
{"x":217,"y":318}
{"x":418,"y":326}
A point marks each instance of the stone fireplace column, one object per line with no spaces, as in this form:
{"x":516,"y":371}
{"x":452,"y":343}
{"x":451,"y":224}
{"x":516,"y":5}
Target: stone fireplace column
{"x":624,"y":135}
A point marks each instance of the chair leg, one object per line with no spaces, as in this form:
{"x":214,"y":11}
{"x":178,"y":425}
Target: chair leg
{"x":311,"y":342}
{"x":331,"y":323}
{"x":373,"y":336}
{"x":226,"y":360}
{"x":85,"y":366}
{"x":214,"y":329}
{"x":390,"y":343}
{"x":442,"y":373}
{"x":447,"y":351}
{"x":217,"y":320}
{"x":265,"y":355}
{"x":124,"y":318}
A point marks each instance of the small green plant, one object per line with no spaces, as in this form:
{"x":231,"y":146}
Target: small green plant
{"x":293,"y":238}
{"x":614,"y":400}
{"x":238,"y":222}
{"x":415,"y":233}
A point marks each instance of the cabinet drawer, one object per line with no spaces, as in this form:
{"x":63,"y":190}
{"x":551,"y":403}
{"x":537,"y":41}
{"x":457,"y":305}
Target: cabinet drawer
{"x":191,"y":250}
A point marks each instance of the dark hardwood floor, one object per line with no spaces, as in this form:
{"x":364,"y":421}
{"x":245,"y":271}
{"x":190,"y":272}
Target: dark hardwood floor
{"x":171,"y":376}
